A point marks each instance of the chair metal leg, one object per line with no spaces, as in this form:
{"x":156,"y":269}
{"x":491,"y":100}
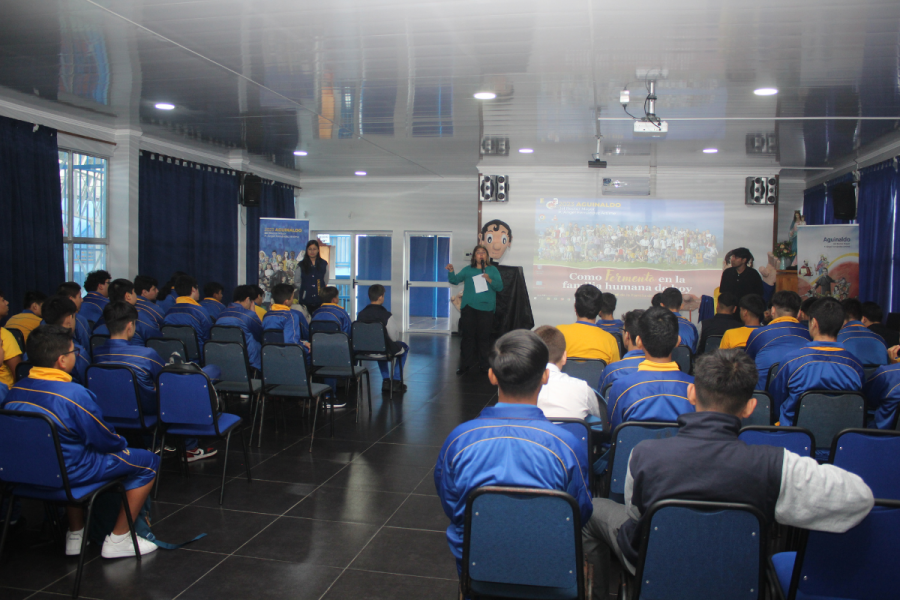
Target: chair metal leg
{"x":162,"y":452}
{"x":246,"y":456}
{"x":312,"y":435}
{"x":225,"y":467}
{"x":128,"y":517}
{"x":9,"y":510}
{"x":254,"y":408}
{"x":153,"y":444}
{"x":87,"y":528}
{"x":369,"y":388}
{"x":262,"y":418}
{"x":392,"y":379}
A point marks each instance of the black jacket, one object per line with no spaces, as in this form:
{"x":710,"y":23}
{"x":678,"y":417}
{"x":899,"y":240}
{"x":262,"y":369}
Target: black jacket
{"x":718,"y":325}
{"x":741,"y":284}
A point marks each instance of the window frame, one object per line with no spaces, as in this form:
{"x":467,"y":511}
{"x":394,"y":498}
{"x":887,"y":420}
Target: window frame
{"x":69,"y":240}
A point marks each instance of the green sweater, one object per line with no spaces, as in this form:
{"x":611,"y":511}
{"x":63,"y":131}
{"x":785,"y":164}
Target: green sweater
{"x":485,"y":301}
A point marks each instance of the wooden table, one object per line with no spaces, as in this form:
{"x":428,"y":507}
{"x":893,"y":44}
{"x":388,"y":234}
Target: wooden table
{"x":786,"y":280}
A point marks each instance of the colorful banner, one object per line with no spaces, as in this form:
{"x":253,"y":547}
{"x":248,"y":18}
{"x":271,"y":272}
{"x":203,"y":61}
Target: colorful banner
{"x":282,"y":243}
{"x":828,"y":261}
{"x":632,"y":248}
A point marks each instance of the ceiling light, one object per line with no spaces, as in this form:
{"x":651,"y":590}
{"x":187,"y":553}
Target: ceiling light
{"x":165,"y":106}
{"x":485,"y":95}
{"x":710,"y":150}
{"x":526,"y":150}
{"x":361,"y":173}
{"x":766,"y":91}
{"x":300,"y":152}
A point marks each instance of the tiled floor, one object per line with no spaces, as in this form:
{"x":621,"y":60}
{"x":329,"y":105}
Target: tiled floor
{"x":358,"y":518}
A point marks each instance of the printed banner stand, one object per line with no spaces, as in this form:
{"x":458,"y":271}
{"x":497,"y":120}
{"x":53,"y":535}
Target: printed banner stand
{"x":828,"y":261}
{"x":282,"y":244}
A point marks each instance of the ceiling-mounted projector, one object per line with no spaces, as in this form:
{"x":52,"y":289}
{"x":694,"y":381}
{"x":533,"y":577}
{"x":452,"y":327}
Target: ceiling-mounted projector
{"x":597,"y":164}
{"x":647,"y":128}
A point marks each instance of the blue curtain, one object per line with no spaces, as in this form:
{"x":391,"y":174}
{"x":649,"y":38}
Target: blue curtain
{"x":31,"y":236}
{"x":276,"y":202}
{"x":876,"y":213}
{"x":188,"y":221}
{"x":818,"y":207}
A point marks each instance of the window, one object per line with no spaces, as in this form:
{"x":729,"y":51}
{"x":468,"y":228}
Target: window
{"x":85,"y":237}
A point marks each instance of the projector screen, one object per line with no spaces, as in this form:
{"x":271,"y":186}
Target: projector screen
{"x":632,"y":248}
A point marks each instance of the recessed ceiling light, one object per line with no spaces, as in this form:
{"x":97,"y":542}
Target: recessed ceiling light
{"x":485,"y":95}
{"x":766,"y":91}
{"x":300,"y":152}
{"x":526,"y":150}
{"x":361,"y":173}
{"x":165,"y":106}
{"x":710,"y":150}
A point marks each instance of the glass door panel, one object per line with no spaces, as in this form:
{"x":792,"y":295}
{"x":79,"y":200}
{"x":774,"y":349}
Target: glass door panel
{"x":373,"y":266}
{"x":427,"y":286}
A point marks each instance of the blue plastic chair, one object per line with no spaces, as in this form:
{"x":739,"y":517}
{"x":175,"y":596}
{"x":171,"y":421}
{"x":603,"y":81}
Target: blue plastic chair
{"x":586,"y":369}
{"x":684,"y":358}
{"x":860,"y":563}
{"x":796,"y":439}
{"x":762,"y":414}
{"x":119,"y":398}
{"x":31,"y":459}
{"x":712,"y":344}
{"x":522,"y":543}
{"x":332,"y":358}
{"x":773,"y":372}
{"x":624,"y":439}
{"x":694,"y":549}
{"x":188,"y":336}
{"x":22,"y":370}
{"x":323,"y":326}
{"x":227,"y":333}
{"x":231,"y":358}
{"x":188,"y":407}
{"x":581,"y":429}
{"x":166,"y":347}
{"x":273,"y":336}
{"x":285,"y":375}
{"x":620,"y":343}
{"x":97,"y":340}
{"x":826,"y":413}
{"x":874,"y":455}
{"x":370,"y":342}
{"x":20,"y":337}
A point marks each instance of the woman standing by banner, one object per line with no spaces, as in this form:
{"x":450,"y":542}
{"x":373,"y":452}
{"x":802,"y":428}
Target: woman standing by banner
{"x":482,"y":282}
{"x":310,"y":277}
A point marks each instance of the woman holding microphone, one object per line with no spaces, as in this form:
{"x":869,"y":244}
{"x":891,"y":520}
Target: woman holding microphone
{"x":482,"y":282}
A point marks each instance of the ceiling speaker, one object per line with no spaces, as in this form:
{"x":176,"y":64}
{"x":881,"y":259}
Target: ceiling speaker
{"x":844,"y":197}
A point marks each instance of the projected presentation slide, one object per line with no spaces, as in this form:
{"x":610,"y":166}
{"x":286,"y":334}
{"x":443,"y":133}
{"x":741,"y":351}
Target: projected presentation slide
{"x":632,"y":248}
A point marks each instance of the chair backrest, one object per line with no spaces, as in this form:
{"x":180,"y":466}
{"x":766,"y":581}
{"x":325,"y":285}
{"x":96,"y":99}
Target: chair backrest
{"x":231,"y":357}
{"x":827,"y":413}
{"x":20,"y":337}
{"x":323,"y":326}
{"x":30,"y":452}
{"x":186,"y":396}
{"x":331,"y":350}
{"x":762,"y":414}
{"x":165,"y":347}
{"x":283,"y":364}
{"x":227,"y":333}
{"x":773,"y":371}
{"x":859,"y":563}
{"x":796,"y":439}
{"x":22,"y":370}
{"x":709,"y":550}
{"x":523,"y":537}
{"x":869,"y":370}
{"x":116,"y":389}
{"x":874,"y":455}
{"x":579,"y":428}
{"x":368,"y":338}
{"x":624,"y":439}
{"x":620,"y":342}
{"x":97,"y":340}
{"x":712,"y":344}
{"x":187,"y":335}
{"x":684,"y":358}
{"x":605,"y":391}
{"x":273,"y":336}
{"x":587,"y":369}
{"x":604,"y":409}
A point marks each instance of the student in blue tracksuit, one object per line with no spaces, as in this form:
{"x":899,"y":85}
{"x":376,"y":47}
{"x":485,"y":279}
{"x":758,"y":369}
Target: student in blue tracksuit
{"x":859,"y":340}
{"x":213,"y":292}
{"x":511,"y":443}
{"x":633,"y":357}
{"x":147,"y":290}
{"x":168,"y":295}
{"x":657,"y":391}
{"x":187,"y":311}
{"x":330,"y":310}
{"x":72,"y":291}
{"x":122,"y":290}
{"x":822,"y":364}
{"x":92,"y":450}
{"x":60,"y":311}
{"x":607,"y":321}
{"x":97,"y":285}
{"x":672,"y":299}
{"x":882,"y":392}
{"x":240,"y":313}
{"x":768,"y":345}
{"x":291,"y":323}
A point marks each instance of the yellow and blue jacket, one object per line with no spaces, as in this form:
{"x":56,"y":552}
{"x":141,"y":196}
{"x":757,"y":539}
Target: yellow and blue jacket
{"x":655,"y":392}
{"x":861,"y":342}
{"x":767,"y":345}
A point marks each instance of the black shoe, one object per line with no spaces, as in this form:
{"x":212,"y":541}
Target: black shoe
{"x":399,"y":386}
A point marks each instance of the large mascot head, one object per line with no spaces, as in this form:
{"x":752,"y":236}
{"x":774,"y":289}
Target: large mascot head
{"x":496,"y":236}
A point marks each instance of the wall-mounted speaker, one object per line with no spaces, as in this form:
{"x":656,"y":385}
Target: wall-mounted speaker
{"x":493,"y":188}
{"x":502,"y":188}
{"x":844,"y":197}
{"x":761,"y":191}
{"x":251,"y":189}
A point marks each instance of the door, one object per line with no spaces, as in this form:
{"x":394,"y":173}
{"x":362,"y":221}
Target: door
{"x":427,"y":288}
{"x":360,"y":259}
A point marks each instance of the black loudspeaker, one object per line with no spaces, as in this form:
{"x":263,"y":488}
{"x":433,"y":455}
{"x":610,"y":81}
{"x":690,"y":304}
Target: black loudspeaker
{"x":761,"y":191}
{"x":502,"y":188}
{"x":251,"y":189}
{"x":488,"y":188}
{"x":844,"y":197}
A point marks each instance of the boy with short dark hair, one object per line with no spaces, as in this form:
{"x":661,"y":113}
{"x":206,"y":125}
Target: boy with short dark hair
{"x":12,"y":353}
{"x":61,"y":312}
{"x":213,"y":292}
{"x":607,"y":321}
{"x":866,"y":345}
{"x":147,"y":290}
{"x":752,"y":309}
{"x":803,"y":314}
{"x":767,"y":345}
{"x":240,"y":313}
{"x":187,"y":311}
{"x":29,"y":319}
{"x":672,"y":299}
{"x":92,"y":450}
{"x":872,"y":317}
{"x":634,"y":356}
{"x":583,"y":338}
{"x":721,"y":322}
{"x":657,"y":391}
{"x":122,"y":290}
{"x":707,"y":461}
{"x":258,"y":298}
{"x":563,"y":397}
{"x":72,"y":291}
{"x":97,"y":286}
{"x":375,"y":312}
{"x":330,"y":310}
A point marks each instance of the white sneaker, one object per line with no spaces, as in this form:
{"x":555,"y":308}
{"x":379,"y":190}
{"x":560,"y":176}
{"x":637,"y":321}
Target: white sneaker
{"x":73,"y":542}
{"x":201,"y":454}
{"x":124,"y":547}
